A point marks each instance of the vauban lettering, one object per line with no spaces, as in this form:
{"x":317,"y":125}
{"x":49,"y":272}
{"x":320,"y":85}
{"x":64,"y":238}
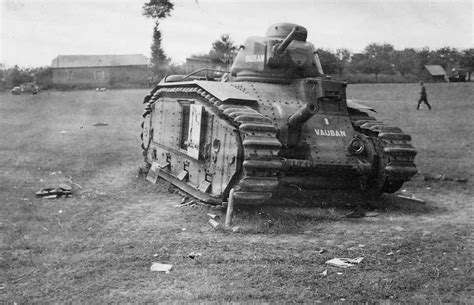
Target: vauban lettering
{"x":330,"y":133}
{"x":255,"y":58}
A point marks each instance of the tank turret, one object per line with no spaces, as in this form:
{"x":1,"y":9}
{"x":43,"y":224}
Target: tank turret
{"x":282,"y":55}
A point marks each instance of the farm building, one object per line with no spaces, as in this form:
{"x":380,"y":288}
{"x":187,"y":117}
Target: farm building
{"x":434,"y":73}
{"x":99,"y":70}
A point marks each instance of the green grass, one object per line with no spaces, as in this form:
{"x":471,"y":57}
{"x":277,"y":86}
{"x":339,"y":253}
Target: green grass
{"x":98,"y":245}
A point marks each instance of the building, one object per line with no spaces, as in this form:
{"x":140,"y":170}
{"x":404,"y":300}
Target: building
{"x":100,"y":70}
{"x":434,"y":73}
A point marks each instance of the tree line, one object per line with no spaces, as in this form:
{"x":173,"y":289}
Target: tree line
{"x":377,"y":59}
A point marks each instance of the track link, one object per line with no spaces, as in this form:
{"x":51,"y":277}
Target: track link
{"x":260,"y":161}
{"x":397,"y":155}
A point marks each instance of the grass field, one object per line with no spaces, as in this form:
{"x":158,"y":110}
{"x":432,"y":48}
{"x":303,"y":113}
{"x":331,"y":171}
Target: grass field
{"x":98,"y":245}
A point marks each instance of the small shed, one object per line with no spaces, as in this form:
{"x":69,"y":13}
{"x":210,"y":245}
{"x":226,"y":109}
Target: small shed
{"x":435,"y":73}
{"x":100,"y":70}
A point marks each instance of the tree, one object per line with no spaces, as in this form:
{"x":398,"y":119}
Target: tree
{"x":343,"y":57}
{"x":378,"y":59}
{"x":223,"y":49}
{"x":467,"y":61}
{"x":158,"y":10}
{"x":446,"y":57}
{"x":406,"y":61}
{"x":328,"y":61}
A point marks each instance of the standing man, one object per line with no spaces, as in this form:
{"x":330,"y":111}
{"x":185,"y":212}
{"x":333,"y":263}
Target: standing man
{"x":423,"y":97}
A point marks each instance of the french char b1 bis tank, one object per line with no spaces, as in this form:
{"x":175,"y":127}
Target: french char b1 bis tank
{"x":275,"y":121}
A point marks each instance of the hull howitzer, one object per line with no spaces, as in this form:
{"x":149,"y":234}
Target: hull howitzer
{"x":275,"y":120}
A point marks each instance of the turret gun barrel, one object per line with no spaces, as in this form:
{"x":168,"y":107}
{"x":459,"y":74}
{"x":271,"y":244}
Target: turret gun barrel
{"x":303,"y":114}
{"x":288,"y":39}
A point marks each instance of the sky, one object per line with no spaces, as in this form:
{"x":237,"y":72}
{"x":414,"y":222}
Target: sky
{"x":33,"y":32}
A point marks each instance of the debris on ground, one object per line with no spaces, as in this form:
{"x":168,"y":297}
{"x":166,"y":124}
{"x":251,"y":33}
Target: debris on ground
{"x":63,"y":131}
{"x":214,"y":224}
{"x":344,"y":262}
{"x":325,"y":272}
{"x":320,"y":251}
{"x":99,"y":124}
{"x":193,"y":255}
{"x":186,"y":204}
{"x":63,"y":190}
{"x":429,"y":177}
{"x":371,"y":214}
{"x":159,"y":267}
{"x":412,"y":198}
{"x":236,"y":229}
{"x":213,"y":216}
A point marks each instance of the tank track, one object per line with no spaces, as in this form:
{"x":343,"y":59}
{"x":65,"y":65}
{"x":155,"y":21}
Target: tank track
{"x":260,"y":162}
{"x":396,"y":154}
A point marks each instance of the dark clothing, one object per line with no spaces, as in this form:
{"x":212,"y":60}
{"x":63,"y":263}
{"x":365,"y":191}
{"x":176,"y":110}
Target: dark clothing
{"x":423,"y":98}
{"x":423,"y":91}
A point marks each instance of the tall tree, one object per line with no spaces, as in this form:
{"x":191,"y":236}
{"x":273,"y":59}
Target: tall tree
{"x":328,"y":61}
{"x":467,"y":61}
{"x":343,"y":57}
{"x":378,"y":59}
{"x":406,"y":61}
{"x":158,"y":10}
{"x":223,"y":49}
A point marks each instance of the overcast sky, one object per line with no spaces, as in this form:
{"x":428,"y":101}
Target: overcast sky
{"x":33,"y":32}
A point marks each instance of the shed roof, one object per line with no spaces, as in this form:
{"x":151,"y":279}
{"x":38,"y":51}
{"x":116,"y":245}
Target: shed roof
{"x":435,"y":70}
{"x":75,"y":61}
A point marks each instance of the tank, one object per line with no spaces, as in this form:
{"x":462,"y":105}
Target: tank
{"x":274,"y":121}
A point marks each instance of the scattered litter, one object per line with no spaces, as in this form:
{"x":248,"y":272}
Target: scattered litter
{"x":166,"y":268}
{"x":339,"y":273}
{"x":213,"y":216}
{"x":214,"y":224}
{"x":344,"y":262}
{"x":403,"y":191}
{"x":63,"y":131}
{"x":155,"y":255}
{"x":390,"y":253}
{"x":65,"y":187}
{"x":52,"y":193}
{"x":25,"y":199}
{"x":100,"y":124}
{"x":325,"y":272}
{"x":236,"y":229}
{"x":412,"y":198}
{"x":183,"y":229}
{"x":60,"y":211}
{"x":186,"y":204}
{"x":320,"y":251}
{"x":193,"y":255}
{"x":371,"y":214}
{"x":101,"y":89}
{"x":443,"y":177}
{"x":361,"y":246}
